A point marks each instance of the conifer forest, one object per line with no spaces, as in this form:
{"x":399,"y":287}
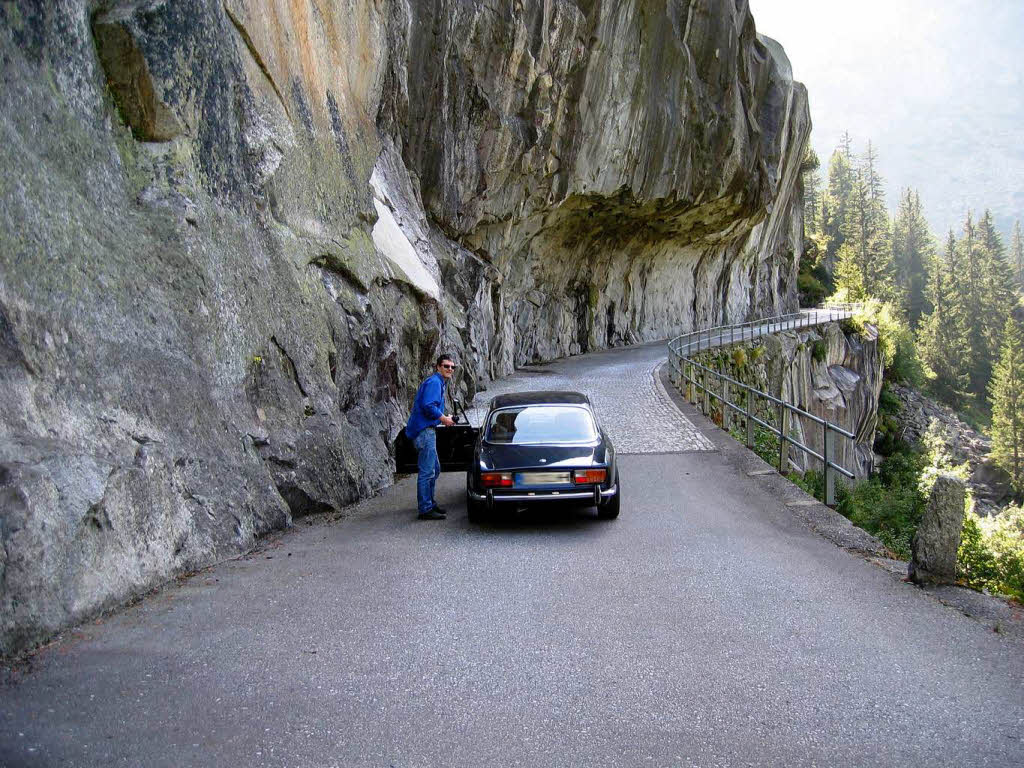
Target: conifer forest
{"x":948,"y":306}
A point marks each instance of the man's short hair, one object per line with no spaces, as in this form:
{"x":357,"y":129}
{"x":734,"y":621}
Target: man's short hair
{"x":442,"y":358}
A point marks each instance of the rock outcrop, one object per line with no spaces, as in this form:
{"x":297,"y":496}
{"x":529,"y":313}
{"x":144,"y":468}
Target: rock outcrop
{"x":824,"y":371}
{"x":988,"y":483}
{"x":937,"y":538}
{"x":233,"y":233}
{"x":837,"y":377}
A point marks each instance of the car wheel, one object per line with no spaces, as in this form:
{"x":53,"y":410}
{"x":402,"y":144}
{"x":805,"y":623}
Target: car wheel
{"x":610,"y":509}
{"x":474,"y":509}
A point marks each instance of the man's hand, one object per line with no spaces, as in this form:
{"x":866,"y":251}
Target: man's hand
{"x":447,"y":421}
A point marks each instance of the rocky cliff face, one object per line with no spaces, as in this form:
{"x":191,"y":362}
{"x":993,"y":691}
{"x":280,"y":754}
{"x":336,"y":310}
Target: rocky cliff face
{"x":824,"y":371}
{"x":836,"y":377}
{"x":233,"y":234}
{"x":989,"y":485}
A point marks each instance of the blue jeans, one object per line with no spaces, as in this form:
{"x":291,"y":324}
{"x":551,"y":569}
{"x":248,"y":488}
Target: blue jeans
{"x":429,"y":469}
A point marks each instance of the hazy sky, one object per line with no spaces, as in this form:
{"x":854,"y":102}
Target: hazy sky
{"x":936,"y":85}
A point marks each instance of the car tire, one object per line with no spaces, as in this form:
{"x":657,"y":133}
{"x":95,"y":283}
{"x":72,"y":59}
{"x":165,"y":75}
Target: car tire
{"x":610,"y":509}
{"x":475,"y":510}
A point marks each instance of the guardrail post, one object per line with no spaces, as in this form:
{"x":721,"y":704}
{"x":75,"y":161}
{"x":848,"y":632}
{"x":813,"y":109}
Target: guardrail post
{"x":689,"y":382}
{"x":830,"y":474}
{"x":783,"y":438}
{"x":726,"y":411}
{"x":749,"y":413}
{"x":707,"y":394}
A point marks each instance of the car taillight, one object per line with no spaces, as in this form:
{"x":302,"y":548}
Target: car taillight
{"x":496,"y":479}
{"x":581,"y":476}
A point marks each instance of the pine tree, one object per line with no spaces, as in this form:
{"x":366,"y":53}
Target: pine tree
{"x":851,"y":257}
{"x":1017,"y":254}
{"x":812,"y":192}
{"x":913,"y":251}
{"x":987,"y":296}
{"x":874,"y":183}
{"x":865,"y":263}
{"x":971,"y":290}
{"x":1007,"y":398}
{"x":941,"y":334}
{"x":835,"y":201}
{"x":997,"y":277}
{"x":814,"y":282}
{"x":850,"y":274}
{"x":882,"y":277}
{"x":846,"y":147}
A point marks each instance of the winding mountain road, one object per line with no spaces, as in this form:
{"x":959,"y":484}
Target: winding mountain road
{"x":707,"y":626}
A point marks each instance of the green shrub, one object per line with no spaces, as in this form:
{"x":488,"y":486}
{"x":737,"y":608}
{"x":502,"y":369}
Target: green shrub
{"x":975,"y":562}
{"x":813,"y":281}
{"x":890,"y":503}
{"x":888,"y":402}
{"x":766,"y":444}
{"x":895,"y":338}
{"x":991,"y":554}
{"x":812,"y":481}
{"x":819,"y":351}
{"x":812,"y":290}
{"x":887,"y":428}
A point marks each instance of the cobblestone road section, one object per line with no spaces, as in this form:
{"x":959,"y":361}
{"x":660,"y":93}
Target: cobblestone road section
{"x":630,"y":401}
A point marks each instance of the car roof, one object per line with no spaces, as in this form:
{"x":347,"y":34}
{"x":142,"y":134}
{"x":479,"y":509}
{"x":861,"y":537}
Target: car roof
{"x":545,"y":397}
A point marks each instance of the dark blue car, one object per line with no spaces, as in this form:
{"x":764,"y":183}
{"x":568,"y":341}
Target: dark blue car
{"x":542,"y":447}
{"x":533,"y":448}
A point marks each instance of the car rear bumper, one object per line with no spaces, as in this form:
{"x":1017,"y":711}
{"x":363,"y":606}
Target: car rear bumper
{"x":597,"y":495}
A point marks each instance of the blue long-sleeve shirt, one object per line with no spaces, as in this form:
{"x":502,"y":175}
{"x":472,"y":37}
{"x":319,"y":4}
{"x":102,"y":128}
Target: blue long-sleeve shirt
{"x":428,"y":408}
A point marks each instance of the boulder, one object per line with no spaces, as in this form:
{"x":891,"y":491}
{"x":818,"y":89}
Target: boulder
{"x":935,"y":544}
{"x":991,"y":482}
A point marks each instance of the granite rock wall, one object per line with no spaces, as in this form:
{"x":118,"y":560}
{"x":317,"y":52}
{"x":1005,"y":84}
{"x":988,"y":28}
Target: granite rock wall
{"x":823,"y":370}
{"x":234,"y":233}
{"x":837,"y":377}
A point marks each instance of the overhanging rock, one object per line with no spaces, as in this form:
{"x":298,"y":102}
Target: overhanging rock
{"x":234,"y":234}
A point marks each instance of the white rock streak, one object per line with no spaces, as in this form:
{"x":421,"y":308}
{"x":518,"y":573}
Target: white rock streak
{"x":392,"y":243}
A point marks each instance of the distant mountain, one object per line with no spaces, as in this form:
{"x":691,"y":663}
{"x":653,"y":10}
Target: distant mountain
{"x":938,"y":89}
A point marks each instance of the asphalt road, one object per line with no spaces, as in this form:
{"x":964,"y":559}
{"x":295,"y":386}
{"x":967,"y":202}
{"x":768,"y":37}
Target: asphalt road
{"x":706,"y":626}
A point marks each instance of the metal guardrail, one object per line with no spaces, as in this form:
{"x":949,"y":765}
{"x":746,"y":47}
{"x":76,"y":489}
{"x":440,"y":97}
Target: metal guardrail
{"x":685,"y":369}
{"x":844,"y":306}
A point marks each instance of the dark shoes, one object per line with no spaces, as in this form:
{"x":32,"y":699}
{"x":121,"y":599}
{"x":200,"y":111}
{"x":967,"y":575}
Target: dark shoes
{"x":434,"y":514}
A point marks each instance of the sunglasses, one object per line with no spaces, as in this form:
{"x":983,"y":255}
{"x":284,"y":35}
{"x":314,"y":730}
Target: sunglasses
{"x":449,"y":366}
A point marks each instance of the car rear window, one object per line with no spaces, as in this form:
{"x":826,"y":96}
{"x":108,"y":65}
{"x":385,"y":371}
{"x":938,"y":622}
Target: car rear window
{"x":541,"y":424}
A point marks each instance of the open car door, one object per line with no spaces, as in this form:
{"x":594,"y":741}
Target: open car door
{"x":455,"y":446}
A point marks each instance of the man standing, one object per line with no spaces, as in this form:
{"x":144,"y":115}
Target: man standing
{"x":427,"y":413}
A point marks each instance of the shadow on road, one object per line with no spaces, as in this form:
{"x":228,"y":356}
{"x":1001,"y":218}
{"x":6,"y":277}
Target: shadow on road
{"x":533,"y":520}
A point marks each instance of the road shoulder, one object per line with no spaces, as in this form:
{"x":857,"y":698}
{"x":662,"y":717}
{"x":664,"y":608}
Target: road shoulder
{"x":997,"y":613}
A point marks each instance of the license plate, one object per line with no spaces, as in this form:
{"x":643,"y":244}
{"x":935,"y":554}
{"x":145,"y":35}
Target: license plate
{"x":542,"y":478}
